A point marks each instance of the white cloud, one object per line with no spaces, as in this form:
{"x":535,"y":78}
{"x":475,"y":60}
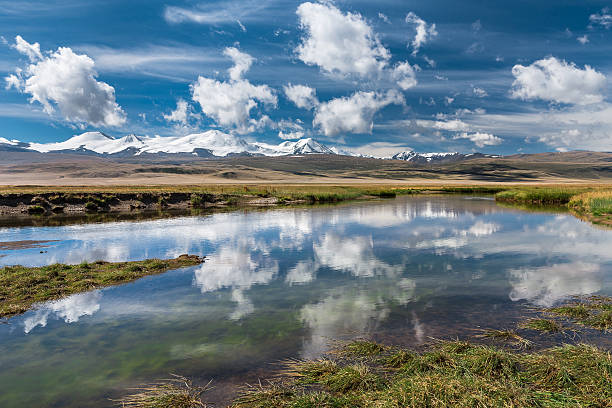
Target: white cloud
{"x":353,"y":114}
{"x":242,"y":62}
{"x":586,"y":127}
{"x":448,"y":100}
{"x":424,"y":31}
{"x":556,"y":80}
{"x":68,"y":81}
{"x":339,"y":43}
{"x":229,"y":104}
{"x":604,"y":18}
{"x":302,"y":96}
{"x":384,"y":18}
{"x":180,"y":113}
{"x":404,"y":76}
{"x":177,"y":62}
{"x":583,"y":40}
{"x":479,"y":92}
{"x":480,"y":139}
{"x":215,"y":12}
{"x":289,"y":130}
{"x":454,"y":125}
{"x":32,"y":51}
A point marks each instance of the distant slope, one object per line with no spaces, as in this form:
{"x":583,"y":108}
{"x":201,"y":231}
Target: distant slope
{"x":62,"y":168}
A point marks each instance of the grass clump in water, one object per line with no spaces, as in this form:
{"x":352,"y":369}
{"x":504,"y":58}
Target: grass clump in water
{"x":542,"y":325}
{"x":177,"y":392}
{"x":363,"y":348}
{"x":21,"y":287}
{"x":507,"y":336}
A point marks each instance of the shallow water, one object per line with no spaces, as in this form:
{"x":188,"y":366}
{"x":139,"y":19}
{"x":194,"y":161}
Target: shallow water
{"x":282,"y":283}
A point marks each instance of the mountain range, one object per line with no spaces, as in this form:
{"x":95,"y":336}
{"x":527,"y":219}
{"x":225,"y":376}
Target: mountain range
{"x":208,"y":144}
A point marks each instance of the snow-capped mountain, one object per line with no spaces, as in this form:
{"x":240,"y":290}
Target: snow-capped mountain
{"x":211,"y":143}
{"x":427,"y":158}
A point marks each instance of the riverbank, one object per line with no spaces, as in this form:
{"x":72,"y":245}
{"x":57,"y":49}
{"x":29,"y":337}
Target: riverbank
{"x":80,"y":200}
{"x":593,"y":204}
{"x":22,"y":287}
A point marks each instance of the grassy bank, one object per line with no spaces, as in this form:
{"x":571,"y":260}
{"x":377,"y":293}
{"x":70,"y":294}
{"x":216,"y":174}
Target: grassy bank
{"x":503,"y":373}
{"x":57,"y":200}
{"x":21,"y":287}
{"x":449,"y":374}
{"x":591,"y":204}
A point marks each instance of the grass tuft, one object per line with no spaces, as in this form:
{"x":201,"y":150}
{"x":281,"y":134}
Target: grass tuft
{"x":176,"y":392}
{"x":542,"y":325}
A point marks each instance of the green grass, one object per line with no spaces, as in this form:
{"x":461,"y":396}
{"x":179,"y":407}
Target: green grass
{"x":362,"y":348}
{"x":594,"y":312}
{"x":451,"y":374}
{"x":542,"y":325}
{"x":576,"y":311}
{"x":21,"y":287}
{"x":535,"y":195}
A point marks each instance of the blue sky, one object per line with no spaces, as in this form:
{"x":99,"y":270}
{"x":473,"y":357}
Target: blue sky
{"x":376,"y":77}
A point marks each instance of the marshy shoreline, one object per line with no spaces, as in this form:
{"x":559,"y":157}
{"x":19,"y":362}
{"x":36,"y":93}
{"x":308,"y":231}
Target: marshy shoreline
{"x":509,"y":367}
{"x":591,"y":202}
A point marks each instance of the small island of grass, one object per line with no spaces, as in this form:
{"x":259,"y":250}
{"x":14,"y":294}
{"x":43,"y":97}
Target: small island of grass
{"x":21,"y":287}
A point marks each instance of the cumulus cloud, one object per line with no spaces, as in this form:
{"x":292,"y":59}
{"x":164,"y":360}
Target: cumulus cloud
{"x":180,"y":113}
{"x":479,"y":92}
{"x":558,"y":81}
{"x":583,"y":40}
{"x":242,"y":62}
{"x":32,"y":51}
{"x":454,"y":125}
{"x":289,"y":130}
{"x":404,"y":75}
{"x":604,"y":18}
{"x":353,"y":114}
{"x":480,"y":139}
{"x":67,"y":81}
{"x":229,"y":104}
{"x":424,"y":31}
{"x":302,"y":96}
{"x":339,"y":43}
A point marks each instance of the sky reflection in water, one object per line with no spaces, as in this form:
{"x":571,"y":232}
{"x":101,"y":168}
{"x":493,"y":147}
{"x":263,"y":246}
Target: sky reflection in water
{"x":281,"y":283}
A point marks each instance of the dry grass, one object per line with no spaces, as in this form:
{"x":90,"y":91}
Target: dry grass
{"x":175,"y":392}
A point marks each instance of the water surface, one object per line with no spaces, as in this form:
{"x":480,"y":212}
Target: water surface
{"x":282,"y":283}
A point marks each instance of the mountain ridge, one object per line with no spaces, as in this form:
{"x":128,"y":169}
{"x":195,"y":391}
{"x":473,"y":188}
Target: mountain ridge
{"x":207,"y":144}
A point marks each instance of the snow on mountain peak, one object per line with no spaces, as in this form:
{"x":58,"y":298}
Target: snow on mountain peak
{"x":210,"y":143}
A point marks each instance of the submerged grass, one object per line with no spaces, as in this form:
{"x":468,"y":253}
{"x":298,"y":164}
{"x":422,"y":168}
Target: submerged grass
{"x":21,"y":287}
{"x":542,"y":325}
{"x":507,"y":336}
{"x":594,"y":312}
{"x":451,"y":374}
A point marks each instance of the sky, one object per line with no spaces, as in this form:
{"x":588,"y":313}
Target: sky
{"x":373,"y":77}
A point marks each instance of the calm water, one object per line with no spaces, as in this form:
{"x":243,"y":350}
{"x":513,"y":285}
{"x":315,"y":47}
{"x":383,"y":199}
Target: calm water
{"x":283,"y":283}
